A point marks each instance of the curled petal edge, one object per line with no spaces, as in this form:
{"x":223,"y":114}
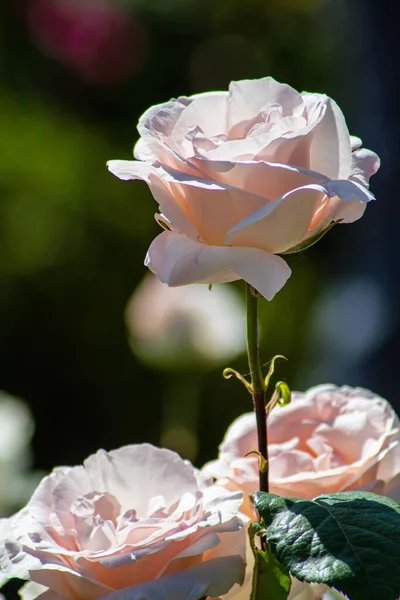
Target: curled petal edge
{"x":178,"y":260}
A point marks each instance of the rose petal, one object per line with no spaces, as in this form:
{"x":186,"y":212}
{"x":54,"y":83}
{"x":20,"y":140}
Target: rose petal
{"x":279,"y":225}
{"x":68,"y":583}
{"x":248,"y":97}
{"x":129,"y":565}
{"x":267,"y":179}
{"x":212,"y":207}
{"x":161,"y":118}
{"x":243,"y":592}
{"x":330,"y":150}
{"x":365,"y":164}
{"x":207,"y":111}
{"x":291,"y":143}
{"x":389,"y":467}
{"x":157,"y":129}
{"x":212,"y":578}
{"x":14,"y":562}
{"x":285,"y":142}
{"x":114,"y":472}
{"x":157,"y":142}
{"x":204,"y":543}
{"x":156,"y":126}
{"x":346,"y":202}
{"x":392,"y":488}
{"x":32,"y":590}
{"x":200,"y":208}
{"x":143,"y":152}
{"x":355,"y":142}
{"x":168,"y":203}
{"x":177,"y":260}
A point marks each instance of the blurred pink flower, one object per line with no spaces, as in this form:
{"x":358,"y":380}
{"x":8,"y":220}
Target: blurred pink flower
{"x":245,"y":175}
{"x":137,"y":522}
{"x":102,"y":42}
{"x":185,"y":326}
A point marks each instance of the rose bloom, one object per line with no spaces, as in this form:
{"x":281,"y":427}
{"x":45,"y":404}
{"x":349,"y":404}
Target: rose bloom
{"x":329,"y":439}
{"x":244,"y":175}
{"x":138,"y":522}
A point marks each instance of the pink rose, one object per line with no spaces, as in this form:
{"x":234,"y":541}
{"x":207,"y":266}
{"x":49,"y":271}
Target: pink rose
{"x":244,"y":175}
{"x":328,"y":439}
{"x":138,"y":522}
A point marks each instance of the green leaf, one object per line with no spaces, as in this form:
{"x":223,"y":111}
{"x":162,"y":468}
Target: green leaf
{"x":350,"y":541}
{"x":270,"y":578}
{"x":311,"y":241}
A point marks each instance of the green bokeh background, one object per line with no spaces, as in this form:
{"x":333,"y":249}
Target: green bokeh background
{"x":73,"y":238}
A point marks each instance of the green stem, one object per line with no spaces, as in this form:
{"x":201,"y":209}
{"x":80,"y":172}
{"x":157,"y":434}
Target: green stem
{"x":257,"y":381}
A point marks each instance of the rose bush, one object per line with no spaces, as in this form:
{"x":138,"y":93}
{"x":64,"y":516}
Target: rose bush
{"x":329,"y":439}
{"x":138,"y":522}
{"x":244,"y":175}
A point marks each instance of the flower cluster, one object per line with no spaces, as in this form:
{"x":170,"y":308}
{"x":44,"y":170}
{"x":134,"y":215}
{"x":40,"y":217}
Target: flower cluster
{"x":140,"y":522}
{"x":240,"y":177}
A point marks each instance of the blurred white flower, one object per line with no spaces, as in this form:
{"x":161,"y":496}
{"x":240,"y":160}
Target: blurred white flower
{"x":185,"y":325}
{"x":16,"y":429}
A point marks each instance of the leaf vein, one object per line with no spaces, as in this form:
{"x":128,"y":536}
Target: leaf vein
{"x":350,"y":544}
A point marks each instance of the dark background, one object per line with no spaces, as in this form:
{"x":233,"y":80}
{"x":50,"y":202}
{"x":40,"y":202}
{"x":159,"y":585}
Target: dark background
{"x":75,"y":77}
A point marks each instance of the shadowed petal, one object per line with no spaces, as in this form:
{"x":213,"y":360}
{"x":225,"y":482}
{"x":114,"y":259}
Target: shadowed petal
{"x":168,"y":204}
{"x":281,"y":224}
{"x":178,"y":260}
{"x":330,"y":150}
{"x":212,"y":578}
{"x":68,"y":583}
{"x":268,"y":179}
{"x":32,"y":590}
{"x":197,"y":207}
{"x":347,"y":201}
{"x":365,"y":164}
